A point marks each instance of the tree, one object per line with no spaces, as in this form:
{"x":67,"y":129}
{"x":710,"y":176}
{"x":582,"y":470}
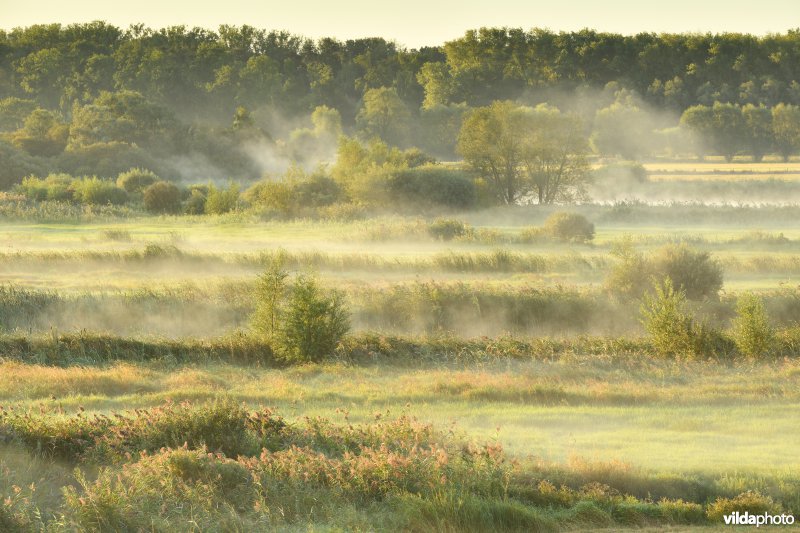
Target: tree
{"x":757,"y":130}
{"x":42,"y":134}
{"x":786,"y":129}
{"x":751,"y":329}
{"x":623,"y":129}
{"x":313,"y":322}
{"x":491,"y":142}
{"x":384,"y":115}
{"x":520,"y":150}
{"x":555,"y":156}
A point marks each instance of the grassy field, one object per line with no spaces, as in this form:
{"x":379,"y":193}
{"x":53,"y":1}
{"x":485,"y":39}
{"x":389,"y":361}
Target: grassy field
{"x":125,"y":339}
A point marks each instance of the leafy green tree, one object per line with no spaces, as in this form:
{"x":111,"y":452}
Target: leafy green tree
{"x":43,"y":134}
{"x":758,"y":130}
{"x":313,"y":322}
{"x":751,"y":329}
{"x":270,"y":298}
{"x":786,"y":129}
{"x":623,"y":129}
{"x":671,"y":328}
{"x":221,"y":200}
{"x":384,"y":115}
{"x":520,"y":150}
{"x":14,"y":111}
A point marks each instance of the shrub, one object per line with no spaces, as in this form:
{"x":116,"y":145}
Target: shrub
{"x":317,"y":190}
{"x":313,"y":323}
{"x":569,"y":227}
{"x":196,"y":203}
{"x":751,"y":329}
{"x":447,"y":229}
{"x":433,"y":185}
{"x":95,"y":191}
{"x":53,"y":187}
{"x":162,"y":197}
{"x":752,"y":502}
{"x":220,"y":201}
{"x":692,"y":271}
{"x":672,"y":331}
{"x":136,"y":180}
{"x":274,"y":195}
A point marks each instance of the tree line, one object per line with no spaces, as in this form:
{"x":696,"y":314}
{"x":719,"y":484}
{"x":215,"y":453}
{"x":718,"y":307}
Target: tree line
{"x":523,"y":109}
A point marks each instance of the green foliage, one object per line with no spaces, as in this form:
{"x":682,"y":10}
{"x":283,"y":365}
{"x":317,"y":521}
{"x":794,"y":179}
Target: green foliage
{"x":313,"y":322}
{"x":220,"y":200}
{"x":162,"y":197}
{"x":53,"y":187}
{"x":433,"y":186}
{"x":42,"y":134}
{"x":447,"y":229}
{"x":753,"y":502}
{"x":752,"y":332}
{"x":270,"y":299}
{"x":96,"y":191}
{"x":522,"y":151}
{"x":569,"y":227}
{"x":136,"y":180}
{"x":693,"y":272}
{"x":672,"y":330}
{"x":17,"y":164}
{"x":385,"y":116}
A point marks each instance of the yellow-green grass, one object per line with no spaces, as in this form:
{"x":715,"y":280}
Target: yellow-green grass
{"x":668,"y":416}
{"x":778,"y":175}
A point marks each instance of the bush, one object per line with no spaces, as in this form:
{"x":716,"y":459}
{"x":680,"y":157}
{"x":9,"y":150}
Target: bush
{"x":692,"y":272}
{"x":313,"y":324}
{"x":162,"y":197}
{"x":53,"y":187}
{"x":672,"y":330}
{"x":317,"y":190}
{"x":136,"y":180}
{"x":95,"y":191}
{"x":433,"y":186}
{"x":196,"y":203}
{"x":751,"y":502}
{"x":751,"y":329}
{"x":569,"y":227}
{"x":220,"y":201}
{"x":447,"y":229}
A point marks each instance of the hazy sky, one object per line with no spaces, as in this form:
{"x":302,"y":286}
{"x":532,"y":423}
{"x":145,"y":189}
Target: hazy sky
{"x":418,"y":22}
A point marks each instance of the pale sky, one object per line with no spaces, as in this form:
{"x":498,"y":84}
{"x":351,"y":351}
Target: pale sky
{"x":415,"y":23}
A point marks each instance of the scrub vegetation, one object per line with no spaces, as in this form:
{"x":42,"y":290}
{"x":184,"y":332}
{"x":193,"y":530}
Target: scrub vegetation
{"x":521,"y":281}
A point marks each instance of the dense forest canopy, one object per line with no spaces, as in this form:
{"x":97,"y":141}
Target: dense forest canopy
{"x":191,"y":104}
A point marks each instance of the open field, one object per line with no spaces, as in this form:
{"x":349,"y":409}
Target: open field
{"x":597,"y":429}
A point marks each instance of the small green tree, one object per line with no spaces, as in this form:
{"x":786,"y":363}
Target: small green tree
{"x":220,"y":201}
{"x":313,"y":322}
{"x":270,"y":295}
{"x":664,"y":317}
{"x":751,"y":329}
